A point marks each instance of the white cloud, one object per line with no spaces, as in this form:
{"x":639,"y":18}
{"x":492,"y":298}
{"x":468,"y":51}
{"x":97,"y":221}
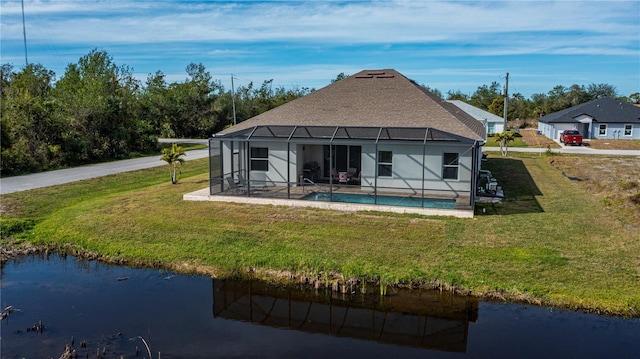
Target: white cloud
{"x":493,"y":25}
{"x":306,"y":43}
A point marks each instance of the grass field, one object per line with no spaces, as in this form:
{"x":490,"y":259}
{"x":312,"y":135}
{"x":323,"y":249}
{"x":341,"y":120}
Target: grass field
{"x":518,"y":141}
{"x":553,"y":241}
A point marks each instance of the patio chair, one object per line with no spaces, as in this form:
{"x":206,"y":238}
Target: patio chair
{"x":355,"y":179}
{"x":351,"y":172}
{"x":334,"y":174}
{"x":236,"y":187}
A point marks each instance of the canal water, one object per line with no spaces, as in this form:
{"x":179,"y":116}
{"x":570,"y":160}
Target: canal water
{"x":113,"y":312}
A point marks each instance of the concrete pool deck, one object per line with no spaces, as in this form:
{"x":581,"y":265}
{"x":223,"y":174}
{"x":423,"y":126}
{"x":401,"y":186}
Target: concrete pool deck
{"x":203,"y":195}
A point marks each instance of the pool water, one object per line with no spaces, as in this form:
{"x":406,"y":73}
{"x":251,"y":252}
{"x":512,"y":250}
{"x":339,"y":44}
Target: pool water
{"x":382,"y":200}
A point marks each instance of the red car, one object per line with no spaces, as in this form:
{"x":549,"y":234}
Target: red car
{"x":571,"y":137}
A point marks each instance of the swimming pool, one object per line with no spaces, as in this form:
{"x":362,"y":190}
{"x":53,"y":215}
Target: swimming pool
{"x":382,"y":200}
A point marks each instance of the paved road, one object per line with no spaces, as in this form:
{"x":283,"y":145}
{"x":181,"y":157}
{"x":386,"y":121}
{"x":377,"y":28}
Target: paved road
{"x":52,"y":178}
{"x":576,"y":150}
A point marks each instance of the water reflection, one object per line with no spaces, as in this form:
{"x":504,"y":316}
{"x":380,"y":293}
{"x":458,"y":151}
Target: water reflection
{"x":194,"y":317}
{"x":409,"y":318}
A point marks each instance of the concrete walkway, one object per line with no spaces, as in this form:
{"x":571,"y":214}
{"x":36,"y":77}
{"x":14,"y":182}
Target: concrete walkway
{"x":52,"y":178}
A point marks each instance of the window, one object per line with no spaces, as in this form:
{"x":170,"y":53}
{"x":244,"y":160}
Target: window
{"x":602,"y":130}
{"x":259,"y":159}
{"x":450,"y":166}
{"x":628,"y":130}
{"x":385,"y":163}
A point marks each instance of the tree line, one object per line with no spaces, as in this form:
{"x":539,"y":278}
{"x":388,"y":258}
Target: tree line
{"x":491,"y":99}
{"x":98,"y":111}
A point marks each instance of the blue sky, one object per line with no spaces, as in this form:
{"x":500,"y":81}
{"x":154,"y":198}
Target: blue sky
{"x":447,"y":45}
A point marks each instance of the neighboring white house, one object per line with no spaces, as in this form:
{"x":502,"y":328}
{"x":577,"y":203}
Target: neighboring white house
{"x":603,"y":118}
{"x":375,"y":133}
{"x":492,"y":123}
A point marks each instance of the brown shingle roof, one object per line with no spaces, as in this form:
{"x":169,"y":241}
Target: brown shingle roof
{"x":376,"y":98}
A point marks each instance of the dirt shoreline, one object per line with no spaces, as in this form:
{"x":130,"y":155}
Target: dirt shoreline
{"x":334,"y":281}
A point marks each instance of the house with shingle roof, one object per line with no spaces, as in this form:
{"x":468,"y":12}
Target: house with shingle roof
{"x":372,"y":135}
{"x":492,"y":123}
{"x":604,"y":118}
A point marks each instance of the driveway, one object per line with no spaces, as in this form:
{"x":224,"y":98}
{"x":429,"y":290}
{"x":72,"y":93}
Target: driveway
{"x":52,"y":178}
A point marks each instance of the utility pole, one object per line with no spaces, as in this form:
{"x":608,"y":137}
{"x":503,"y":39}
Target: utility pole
{"x":24,"y":34}
{"x":506,"y":101}
{"x":233,"y":100}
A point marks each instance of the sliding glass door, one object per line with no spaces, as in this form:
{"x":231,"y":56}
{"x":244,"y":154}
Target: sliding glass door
{"x":344,"y":157}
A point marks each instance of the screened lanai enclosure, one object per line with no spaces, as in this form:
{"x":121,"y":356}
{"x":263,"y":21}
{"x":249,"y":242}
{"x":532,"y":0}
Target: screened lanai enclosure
{"x":383,"y":166}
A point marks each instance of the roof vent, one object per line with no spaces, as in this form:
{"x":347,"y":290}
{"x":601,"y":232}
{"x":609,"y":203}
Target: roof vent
{"x":377,"y":74}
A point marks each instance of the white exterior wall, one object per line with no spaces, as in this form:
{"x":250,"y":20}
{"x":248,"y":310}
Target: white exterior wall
{"x":561,"y":127}
{"x":545,"y":129}
{"x":553,"y":131}
{"x":498,"y":127}
{"x":226,"y":158}
{"x":311,"y":153}
{"x":278,"y":162}
{"x":635,"y":132}
{"x":616,"y":131}
{"x":407,"y":170}
{"x":239,"y":162}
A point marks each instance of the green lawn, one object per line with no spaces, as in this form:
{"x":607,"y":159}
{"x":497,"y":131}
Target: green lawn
{"x":517,"y":142}
{"x":538,"y":246}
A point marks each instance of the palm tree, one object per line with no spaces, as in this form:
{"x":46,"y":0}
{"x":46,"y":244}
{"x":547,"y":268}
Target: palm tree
{"x":504,"y":138}
{"x":173,"y":157}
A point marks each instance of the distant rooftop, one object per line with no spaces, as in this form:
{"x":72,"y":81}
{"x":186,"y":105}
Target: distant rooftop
{"x":603,"y":110}
{"x":478,"y":113}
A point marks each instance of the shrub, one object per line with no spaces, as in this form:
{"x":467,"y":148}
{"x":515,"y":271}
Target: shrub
{"x":11,"y":226}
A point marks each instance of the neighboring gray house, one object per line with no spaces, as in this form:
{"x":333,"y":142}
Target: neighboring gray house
{"x":492,"y":123}
{"x":373,"y":135}
{"x":603,"y":118}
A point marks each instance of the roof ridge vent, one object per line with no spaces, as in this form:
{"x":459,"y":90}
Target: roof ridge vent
{"x":385,"y":76}
{"x":376,"y":73}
